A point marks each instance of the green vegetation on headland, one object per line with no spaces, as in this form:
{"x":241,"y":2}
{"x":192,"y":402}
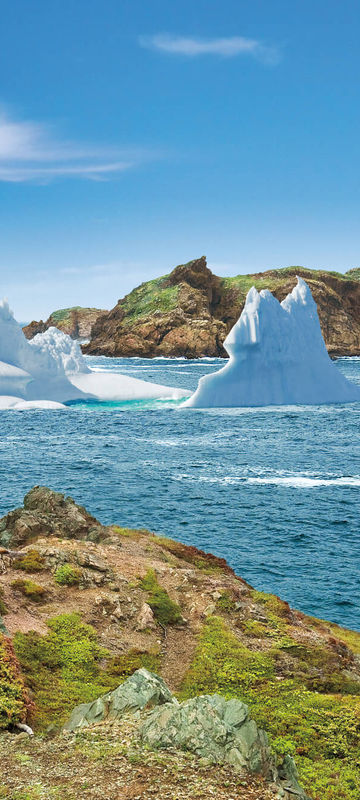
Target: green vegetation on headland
{"x":189,"y":311}
{"x":210,"y":632}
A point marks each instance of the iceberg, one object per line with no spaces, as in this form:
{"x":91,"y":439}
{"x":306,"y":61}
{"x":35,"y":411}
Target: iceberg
{"x":277,"y":357}
{"x":50,"y":370}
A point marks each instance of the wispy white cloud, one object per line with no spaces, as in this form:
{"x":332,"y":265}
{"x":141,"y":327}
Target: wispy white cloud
{"x":227,"y":47}
{"x":30,"y":152}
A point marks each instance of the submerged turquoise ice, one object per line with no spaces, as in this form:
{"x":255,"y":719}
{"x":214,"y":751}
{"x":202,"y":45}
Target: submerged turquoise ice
{"x":276,"y":491}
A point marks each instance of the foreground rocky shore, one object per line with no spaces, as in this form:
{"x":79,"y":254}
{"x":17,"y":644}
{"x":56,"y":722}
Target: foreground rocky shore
{"x":84,"y":607}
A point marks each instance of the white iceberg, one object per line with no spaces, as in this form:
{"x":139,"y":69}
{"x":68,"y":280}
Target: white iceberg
{"x":50,"y":370}
{"x":277,"y":357}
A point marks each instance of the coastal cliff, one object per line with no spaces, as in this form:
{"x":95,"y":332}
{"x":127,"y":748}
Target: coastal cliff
{"x":190,"y":311}
{"x":84,"y":606}
{"x":77,"y":322}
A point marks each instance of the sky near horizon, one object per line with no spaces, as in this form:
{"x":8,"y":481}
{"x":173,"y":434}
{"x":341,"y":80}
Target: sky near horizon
{"x":137,"y":135}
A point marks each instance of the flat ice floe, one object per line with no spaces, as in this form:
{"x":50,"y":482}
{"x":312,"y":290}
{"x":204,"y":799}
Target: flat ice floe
{"x":50,"y":370}
{"x":277,"y":357}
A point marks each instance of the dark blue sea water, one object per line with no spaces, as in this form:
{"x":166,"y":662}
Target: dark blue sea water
{"x":276,"y":491}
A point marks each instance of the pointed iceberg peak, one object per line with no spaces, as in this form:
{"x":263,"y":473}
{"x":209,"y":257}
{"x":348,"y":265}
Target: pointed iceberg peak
{"x":300,"y":294}
{"x":5,"y":310}
{"x":252,"y":296}
{"x":277,"y":357}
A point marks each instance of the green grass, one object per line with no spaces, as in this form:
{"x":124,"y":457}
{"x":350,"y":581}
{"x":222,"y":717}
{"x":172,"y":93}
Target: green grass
{"x":129,"y":533}
{"x":148,"y":298}
{"x":156,"y":295}
{"x":353,"y":274}
{"x":165,"y":610}
{"x":226,"y":603}
{"x":64,"y":313}
{"x":273,"y":279}
{"x":63,"y":668}
{"x":321,"y":730}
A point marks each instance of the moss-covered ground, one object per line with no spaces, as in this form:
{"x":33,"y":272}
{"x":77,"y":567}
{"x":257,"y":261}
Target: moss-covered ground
{"x":319,"y":727}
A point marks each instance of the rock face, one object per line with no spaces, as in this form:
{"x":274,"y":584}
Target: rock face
{"x":77,"y":322}
{"x":48,"y":513}
{"x":142,"y":690}
{"x":190,"y":311}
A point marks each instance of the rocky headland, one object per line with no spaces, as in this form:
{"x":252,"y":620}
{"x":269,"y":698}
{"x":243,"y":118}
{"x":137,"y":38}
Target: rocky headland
{"x":231,"y":687}
{"x":77,"y":322}
{"x":190,"y":311}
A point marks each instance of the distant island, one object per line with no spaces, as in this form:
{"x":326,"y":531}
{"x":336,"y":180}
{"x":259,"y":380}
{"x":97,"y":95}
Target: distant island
{"x":190,"y":311}
{"x":77,"y":322}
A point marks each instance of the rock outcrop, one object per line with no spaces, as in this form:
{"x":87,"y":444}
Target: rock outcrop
{"x":142,"y":690}
{"x":48,"y":513}
{"x":77,"y":322}
{"x":190,"y":311}
{"x":214,"y":728}
{"x":217,"y":730}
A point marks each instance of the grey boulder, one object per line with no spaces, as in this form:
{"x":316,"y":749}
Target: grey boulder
{"x":142,"y":690}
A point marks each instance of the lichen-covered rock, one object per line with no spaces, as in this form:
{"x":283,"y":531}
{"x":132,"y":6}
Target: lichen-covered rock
{"x":211,"y":727}
{"x":48,"y":513}
{"x":142,"y":690}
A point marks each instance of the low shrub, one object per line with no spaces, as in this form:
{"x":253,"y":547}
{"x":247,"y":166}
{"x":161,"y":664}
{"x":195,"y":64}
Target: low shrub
{"x":32,"y":561}
{"x":225,"y":603}
{"x":29,"y":589}
{"x":14,"y":702}
{"x":165,"y":610}
{"x":134,"y":659}
{"x":129,"y":533}
{"x":68,"y":575}
{"x":206,"y":562}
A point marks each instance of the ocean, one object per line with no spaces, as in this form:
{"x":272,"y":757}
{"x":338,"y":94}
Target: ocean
{"x":275,"y":491}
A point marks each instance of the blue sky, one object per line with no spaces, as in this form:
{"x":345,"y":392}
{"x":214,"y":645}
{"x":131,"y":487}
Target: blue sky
{"x":138,"y":134}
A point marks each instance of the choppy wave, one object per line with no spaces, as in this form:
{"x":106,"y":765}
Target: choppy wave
{"x":294,"y":481}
